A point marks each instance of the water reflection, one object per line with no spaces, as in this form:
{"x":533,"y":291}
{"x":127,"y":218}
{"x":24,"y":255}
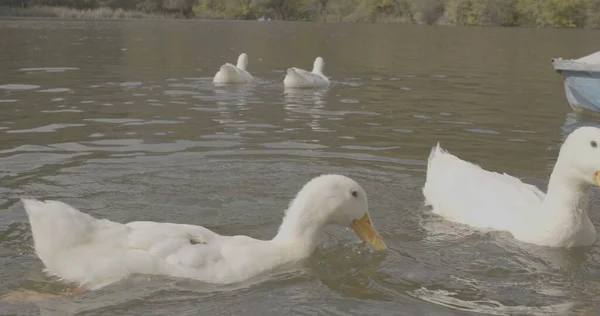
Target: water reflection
{"x":305,"y":96}
{"x":311,"y":102}
{"x":574,"y":120}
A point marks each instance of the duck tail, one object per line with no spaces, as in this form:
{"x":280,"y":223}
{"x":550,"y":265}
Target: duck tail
{"x":56,"y":225}
{"x":32,"y":207}
{"x":293,"y":79}
{"x":435,"y":151}
{"x":227,"y":73}
{"x":228,"y":70}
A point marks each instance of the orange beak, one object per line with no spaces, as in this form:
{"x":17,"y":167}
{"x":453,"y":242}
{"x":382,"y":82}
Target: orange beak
{"x":365,"y":230}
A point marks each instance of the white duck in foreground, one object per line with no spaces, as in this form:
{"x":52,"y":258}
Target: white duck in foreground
{"x":229,"y":73}
{"x":93,"y":253}
{"x":465,"y":193}
{"x":300,"y":78}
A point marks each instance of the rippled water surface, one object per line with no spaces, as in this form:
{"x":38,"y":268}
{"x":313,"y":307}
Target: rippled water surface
{"x":121,"y":120}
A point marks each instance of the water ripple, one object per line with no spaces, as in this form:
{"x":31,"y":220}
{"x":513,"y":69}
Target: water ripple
{"x":134,"y":129}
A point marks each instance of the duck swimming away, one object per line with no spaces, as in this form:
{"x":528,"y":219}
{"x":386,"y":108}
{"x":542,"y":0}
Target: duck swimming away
{"x":93,"y":253}
{"x":465,"y":193}
{"x":300,"y":78}
{"x":229,"y":73}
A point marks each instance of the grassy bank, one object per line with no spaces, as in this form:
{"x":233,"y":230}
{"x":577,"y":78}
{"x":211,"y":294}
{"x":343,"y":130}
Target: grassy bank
{"x":538,"y":13}
{"x":69,"y":13}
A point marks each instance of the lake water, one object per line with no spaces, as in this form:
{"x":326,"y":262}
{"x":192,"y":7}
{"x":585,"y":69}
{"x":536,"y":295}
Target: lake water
{"x":120,"y":119}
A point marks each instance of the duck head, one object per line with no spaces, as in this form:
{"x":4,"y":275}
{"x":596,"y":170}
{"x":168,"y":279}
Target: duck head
{"x":336,"y":199}
{"x":580,"y":155}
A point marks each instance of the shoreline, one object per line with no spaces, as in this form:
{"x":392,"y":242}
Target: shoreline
{"x":108,"y":14}
{"x":64,"y":13}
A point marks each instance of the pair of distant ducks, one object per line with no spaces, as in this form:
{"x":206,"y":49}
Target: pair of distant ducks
{"x":92,"y":253}
{"x":294,"y":78}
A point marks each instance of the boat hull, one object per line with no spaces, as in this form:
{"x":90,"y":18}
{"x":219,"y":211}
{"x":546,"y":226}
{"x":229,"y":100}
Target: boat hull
{"x":581,"y":80}
{"x":582,"y":90}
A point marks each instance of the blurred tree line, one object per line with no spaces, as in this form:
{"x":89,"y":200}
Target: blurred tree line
{"x":544,"y":13}
{"x":178,"y":8}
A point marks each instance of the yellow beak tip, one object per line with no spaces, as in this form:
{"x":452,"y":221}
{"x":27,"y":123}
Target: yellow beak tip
{"x":379,"y":246}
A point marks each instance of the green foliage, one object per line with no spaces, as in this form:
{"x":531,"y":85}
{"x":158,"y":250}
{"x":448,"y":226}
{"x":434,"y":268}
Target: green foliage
{"x":542,"y":13}
{"x":386,"y":9}
{"x":305,"y":10}
{"x":226,"y":9}
{"x":593,"y":13}
{"x":426,"y":11}
{"x":66,"y":13}
{"x":120,"y":4}
{"x":367,"y":11}
{"x":482,"y":12}
{"x":562,"y":13}
{"x":148,"y":5}
{"x":557,"y":13}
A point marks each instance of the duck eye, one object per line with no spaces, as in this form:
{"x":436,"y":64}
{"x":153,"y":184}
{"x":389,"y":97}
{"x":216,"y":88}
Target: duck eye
{"x":355,"y":193}
{"x":593,"y":143}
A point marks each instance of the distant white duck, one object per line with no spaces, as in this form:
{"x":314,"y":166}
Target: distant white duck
{"x":465,"y":193}
{"x":234,"y":74}
{"x":93,"y":253}
{"x":300,"y":78}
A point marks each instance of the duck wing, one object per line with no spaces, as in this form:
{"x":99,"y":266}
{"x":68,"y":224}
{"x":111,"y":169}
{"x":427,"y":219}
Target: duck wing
{"x":464,"y":192}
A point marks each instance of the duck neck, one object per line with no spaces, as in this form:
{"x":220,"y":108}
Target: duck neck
{"x":567,"y":195}
{"x":565,"y":210}
{"x":302,"y":227}
{"x":317,"y":67}
{"x":242,"y":63}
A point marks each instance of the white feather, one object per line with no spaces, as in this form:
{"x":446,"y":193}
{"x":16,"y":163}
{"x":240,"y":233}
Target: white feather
{"x":300,"y":78}
{"x":235,"y":74}
{"x":94,"y":252}
{"x":465,"y":193}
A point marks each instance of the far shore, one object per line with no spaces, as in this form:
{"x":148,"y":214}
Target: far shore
{"x":105,"y":13}
{"x":46,"y":12}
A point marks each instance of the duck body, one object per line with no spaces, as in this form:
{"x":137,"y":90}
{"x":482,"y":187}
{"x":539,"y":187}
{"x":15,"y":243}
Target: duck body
{"x":103,"y":252}
{"x":300,"y":78}
{"x":93,"y":253}
{"x":465,"y":193}
{"x":234,"y":74}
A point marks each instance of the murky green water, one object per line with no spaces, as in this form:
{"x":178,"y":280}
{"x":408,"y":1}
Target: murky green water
{"x":121,"y":120}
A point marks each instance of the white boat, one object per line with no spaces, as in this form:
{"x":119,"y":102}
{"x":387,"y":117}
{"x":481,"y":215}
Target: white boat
{"x":582,"y":81}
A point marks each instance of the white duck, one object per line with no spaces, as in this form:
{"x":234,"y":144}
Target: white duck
{"x":465,"y":193}
{"x":300,"y":78}
{"x":93,"y":253}
{"x":234,"y":74}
